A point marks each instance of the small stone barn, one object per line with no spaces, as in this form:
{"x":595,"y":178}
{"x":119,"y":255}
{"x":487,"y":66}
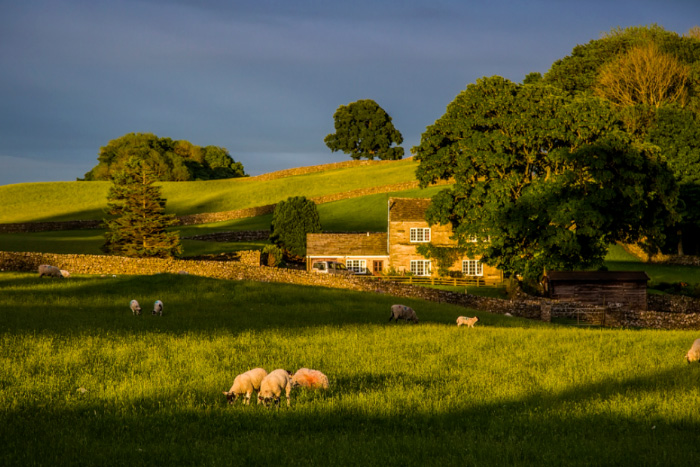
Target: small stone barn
{"x":628,"y":288}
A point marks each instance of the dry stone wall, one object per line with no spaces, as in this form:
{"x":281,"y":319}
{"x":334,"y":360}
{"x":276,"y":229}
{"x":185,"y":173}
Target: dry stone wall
{"x":248,"y":269}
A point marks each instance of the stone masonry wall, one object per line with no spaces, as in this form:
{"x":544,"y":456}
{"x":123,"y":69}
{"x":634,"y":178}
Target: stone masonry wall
{"x":248,"y":269}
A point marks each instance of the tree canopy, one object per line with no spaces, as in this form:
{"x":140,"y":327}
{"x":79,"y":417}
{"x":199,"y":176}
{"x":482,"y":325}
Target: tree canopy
{"x":364,"y":129}
{"x":169,"y":160}
{"x":652,"y":78}
{"x":544,"y":179}
{"x":291,"y":221}
{"x":139,"y":227}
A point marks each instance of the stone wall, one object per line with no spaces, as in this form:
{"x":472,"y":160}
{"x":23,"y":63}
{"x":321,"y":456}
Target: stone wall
{"x":248,"y":269}
{"x":234,"y":236}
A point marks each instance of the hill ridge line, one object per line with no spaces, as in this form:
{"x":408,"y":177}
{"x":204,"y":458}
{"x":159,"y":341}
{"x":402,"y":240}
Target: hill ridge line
{"x":205,"y":218}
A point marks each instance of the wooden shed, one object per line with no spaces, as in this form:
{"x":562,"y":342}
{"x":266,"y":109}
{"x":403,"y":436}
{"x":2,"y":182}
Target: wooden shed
{"x":628,"y":288}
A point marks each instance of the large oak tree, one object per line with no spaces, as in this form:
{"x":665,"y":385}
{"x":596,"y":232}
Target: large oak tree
{"x":544,"y":179}
{"x":364,"y":129}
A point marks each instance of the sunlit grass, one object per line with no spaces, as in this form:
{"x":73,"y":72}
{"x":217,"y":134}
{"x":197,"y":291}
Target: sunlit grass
{"x":82,"y":381}
{"x":60,"y":201}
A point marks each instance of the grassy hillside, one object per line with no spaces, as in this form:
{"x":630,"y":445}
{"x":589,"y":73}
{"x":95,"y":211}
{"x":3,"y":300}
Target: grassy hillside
{"x":60,"y":201}
{"x":367,"y":213}
{"x":83,"y":382}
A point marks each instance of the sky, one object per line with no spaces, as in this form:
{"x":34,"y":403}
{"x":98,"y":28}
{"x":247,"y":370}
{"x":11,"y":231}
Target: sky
{"x":263,"y":78}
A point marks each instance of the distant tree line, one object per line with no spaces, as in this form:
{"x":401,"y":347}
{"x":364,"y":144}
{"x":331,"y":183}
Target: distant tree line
{"x":168,"y":159}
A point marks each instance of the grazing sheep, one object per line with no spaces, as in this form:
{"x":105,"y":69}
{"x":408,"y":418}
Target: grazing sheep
{"x":403,"y":312}
{"x":693,"y":354}
{"x":48,"y":270}
{"x":157,"y":308}
{"x":312,"y":379}
{"x":272,"y":386}
{"x":65,"y":273}
{"x":135,"y":307}
{"x":470,"y":322}
{"x":245,"y":383}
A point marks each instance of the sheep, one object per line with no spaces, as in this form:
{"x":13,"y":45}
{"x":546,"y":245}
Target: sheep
{"x":312,"y":379}
{"x":272,"y":386}
{"x":470,"y":322}
{"x":693,"y":354}
{"x":157,"y":308}
{"x":135,"y":307}
{"x":48,"y":270}
{"x":245,"y":383}
{"x":65,"y":273}
{"x":403,"y":312}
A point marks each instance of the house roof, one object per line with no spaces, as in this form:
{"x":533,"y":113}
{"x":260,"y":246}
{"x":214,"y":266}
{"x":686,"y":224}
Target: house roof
{"x":597,"y":276}
{"x":408,"y":209}
{"x":346,"y":244}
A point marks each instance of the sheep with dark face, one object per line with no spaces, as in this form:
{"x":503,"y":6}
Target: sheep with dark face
{"x":272,"y":387}
{"x":157,"y":308}
{"x":403,"y":312}
{"x":48,"y":270}
{"x":469,"y":322}
{"x":693,"y":354}
{"x":135,"y":307}
{"x":245,"y":383}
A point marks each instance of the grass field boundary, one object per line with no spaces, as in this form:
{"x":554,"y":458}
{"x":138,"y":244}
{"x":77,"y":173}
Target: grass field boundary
{"x":205,"y":218}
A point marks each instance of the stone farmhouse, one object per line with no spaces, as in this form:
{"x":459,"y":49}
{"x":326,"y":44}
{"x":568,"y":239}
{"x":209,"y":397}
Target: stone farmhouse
{"x":395,"y":251}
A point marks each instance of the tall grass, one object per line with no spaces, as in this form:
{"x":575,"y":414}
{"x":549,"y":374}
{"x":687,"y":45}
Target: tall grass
{"x":84,"y":382}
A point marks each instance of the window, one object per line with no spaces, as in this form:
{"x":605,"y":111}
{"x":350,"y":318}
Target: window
{"x":420,"y":234}
{"x":420,"y":267}
{"x":472,"y":267}
{"x":378,"y":266}
{"x":358,"y":266}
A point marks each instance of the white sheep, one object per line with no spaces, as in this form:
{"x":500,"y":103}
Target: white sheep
{"x":48,"y":270}
{"x":245,"y":383}
{"x":469,"y":322}
{"x":135,"y":307}
{"x":693,"y":354}
{"x":65,"y":273}
{"x":157,"y":308}
{"x":272,"y":386}
{"x":403,"y":312}
{"x":312,"y":379}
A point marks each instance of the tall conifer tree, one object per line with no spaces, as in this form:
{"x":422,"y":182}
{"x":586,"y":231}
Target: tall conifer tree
{"x":139,"y":228}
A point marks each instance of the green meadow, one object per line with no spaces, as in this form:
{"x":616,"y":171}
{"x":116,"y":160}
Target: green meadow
{"x":62,"y":201}
{"x":84,"y":382}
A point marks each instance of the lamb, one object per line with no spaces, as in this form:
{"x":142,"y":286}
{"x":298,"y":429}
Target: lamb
{"x":135,"y":307}
{"x":157,"y":308}
{"x":693,"y":354}
{"x":65,"y":273}
{"x":470,"y":322}
{"x":312,"y":379}
{"x":245,"y":383}
{"x":48,"y":270}
{"x":403,"y":312}
{"x":272,"y":386}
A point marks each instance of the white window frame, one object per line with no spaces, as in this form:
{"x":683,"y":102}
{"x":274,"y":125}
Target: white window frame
{"x":420,"y":267}
{"x":472,"y":267}
{"x":420,"y":234}
{"x":358,"y":266}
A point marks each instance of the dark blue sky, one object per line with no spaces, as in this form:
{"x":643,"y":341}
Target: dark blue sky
{"x":263,"y":78}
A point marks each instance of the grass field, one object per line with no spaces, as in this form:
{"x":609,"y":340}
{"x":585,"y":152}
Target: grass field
{"x":366,"y":213}
{"x":83,"y":382}
{"x":61,"y":201}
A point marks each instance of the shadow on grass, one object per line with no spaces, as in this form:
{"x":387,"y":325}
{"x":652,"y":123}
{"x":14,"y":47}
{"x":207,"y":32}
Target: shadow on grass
{"x":544,"y":428}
